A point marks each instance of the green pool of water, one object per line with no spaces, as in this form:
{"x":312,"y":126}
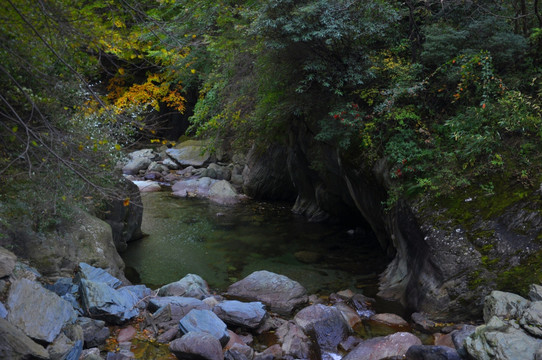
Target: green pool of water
{"x":223,"y":244}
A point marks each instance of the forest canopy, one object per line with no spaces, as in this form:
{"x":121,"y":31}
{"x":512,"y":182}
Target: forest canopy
{"x":451,"y":82}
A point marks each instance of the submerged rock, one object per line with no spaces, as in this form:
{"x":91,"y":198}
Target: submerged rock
{"x":205,"y":321}
{"x":28,"y":298}
{"x":278,"y":292}
{"x":190,"y":286}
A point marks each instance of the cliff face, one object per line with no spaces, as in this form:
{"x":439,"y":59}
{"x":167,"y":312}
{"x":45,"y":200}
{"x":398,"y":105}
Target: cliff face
{"x":448,"y":254}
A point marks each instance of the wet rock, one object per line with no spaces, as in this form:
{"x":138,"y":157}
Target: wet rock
{"x":26,"y":298}
{"x":423,"y":323}
{"x":248,"y":315}
{"x":14,"y":344}
{"x":362,"y":304}
{"x":101,"y":301}
{"x":189,"y":286}
{"x":501,"y":340}
{"x":459,"y":336}
{"x":383,"y":347}
{"x":197,"y":345}
{"x":430,"y":352}
{"x":65,"y":349}
{"x":179,"y":305}
{"x":222,"y":192}
{"x":504,"y":305}
{"x":390,"y":320}
{"x":190,"y":153}
{"x":3,"y":311}
{"x":325,"y":323}
{"x":94,"y":331}
{"x":204,"y":321}
{"x":91,"y":273}
{"x":350,"y":315}
{"x":147,"y":186}
{"x":278,"y":292}
{"x":7,"y":262}
{"x":532,"y":319}
{"x":294,"y":341}
{"x":126,"y":334}
{"x":535,"y":292}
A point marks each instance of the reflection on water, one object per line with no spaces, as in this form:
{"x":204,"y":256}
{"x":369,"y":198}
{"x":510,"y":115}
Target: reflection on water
{"x":223,"y":244}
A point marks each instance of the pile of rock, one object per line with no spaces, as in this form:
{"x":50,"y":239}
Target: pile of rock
{"x":190,"y":169}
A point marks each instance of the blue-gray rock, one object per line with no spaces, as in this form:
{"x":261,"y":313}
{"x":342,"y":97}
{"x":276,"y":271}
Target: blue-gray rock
{"x":189,"y":286}
{"x":65,"y":349}
{"x":532,"y":319}
{"x":431,"y":352}
{"x":15,"y":345}
{"x":66,"y":289}
{"x":504,"y":305}
{"x":501,"y":340}
{"x":459,"y":336}
{"x":26,"y":299}
{"x":205,"y":321}
{"x":3,"y":311}
{"x":197,"y":345}
{"x":278,"y":292}
{"x":325,"y":323}
{"x":94,"y":274}
{"x":249,"y":315}
{"x":183,"y":304}
{"x":103,"y":302}
{"x":383,"y":347}
{"x":94,"y":331}
{"x":141,"y":292}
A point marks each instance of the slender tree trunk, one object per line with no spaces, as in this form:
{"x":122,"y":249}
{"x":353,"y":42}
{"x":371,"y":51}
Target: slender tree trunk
{"x":537,"y":13}
{"x":524,"y":17}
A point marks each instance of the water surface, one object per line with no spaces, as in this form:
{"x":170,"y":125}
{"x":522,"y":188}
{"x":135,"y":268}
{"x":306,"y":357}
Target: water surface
{"x":223,"y":244}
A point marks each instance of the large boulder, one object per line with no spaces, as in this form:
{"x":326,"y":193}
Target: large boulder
{"x":325,"y":323}
{"x":531,"y":319}
{"x":103,"y":302}
{"x":7,"y":262}
{"x":137,"y":161}
{"x":248,"y":315}
{"x":222,"y":192}
{"x":197,"y":346}
{"x":193,"y":187}
{"x":278,"y":292}
{"x":504,"y":305}
{"x":15,"y":345}
{"x":26,"y":298}
{"x":383,"y":347}
{"x":502,"y":340}
{"x":205,"y":321}
{"x":190,"y":286}
{"x":190,"y":153}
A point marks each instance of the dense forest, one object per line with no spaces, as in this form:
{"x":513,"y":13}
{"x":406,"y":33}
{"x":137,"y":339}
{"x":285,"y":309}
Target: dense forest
{"x":449,"y":92}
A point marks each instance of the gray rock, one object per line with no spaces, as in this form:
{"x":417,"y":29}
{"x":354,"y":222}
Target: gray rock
{"x":205,"y":321}
{"x":221,"y":172}
{"x":134,"y":166}
{"x":147,"y":186}
{"x":294,"y":341}
{"x":325,"y":323}
{"x":3,"y":311}
{"x":179,"y":304}
{"x":189,"y":286}
{"x":15,"y":345}
{"x":390,"y":320}
{"x":501,"y":340}
{"x":170,"y":164}
{"x":532,"y":319}
{"x":157,"y":167}
{"x":197,"y":345}
{"x":7,"y":262}
{"x":271,"y":353}
{"x":26,"y":298}
{"x":535,"y":292}
{"x":278,"y":292}
{"x":23,"y":271}
{"x":103,"y":302}
{"x":91,"y":354}
{"x":65,"y":349}
{"x":459,"y":337}
{"x":222,"y":192}
{"x":190,"y":153}
{"x":249,"y":315}
{"x":427,"y":352}
{"x":504,"y":305}
{"x":350,"y":315}
{"x":168,"y":336}
{"x":140,"y":291}
{"x":193,"y":187}
{"x":383,"y":347}
{"x":94,"y":331}
{"x":95,"y":274}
